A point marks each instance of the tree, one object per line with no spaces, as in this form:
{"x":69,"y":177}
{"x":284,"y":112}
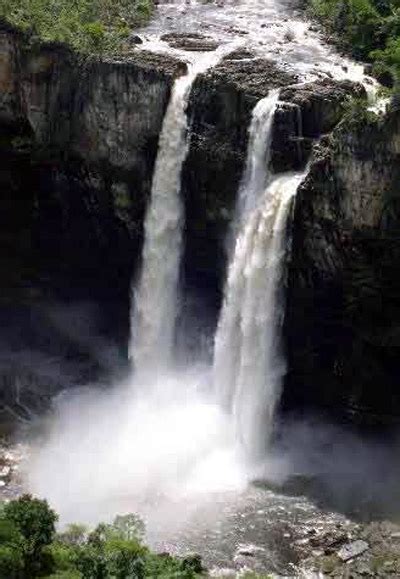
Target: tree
{"x":35,"y":522}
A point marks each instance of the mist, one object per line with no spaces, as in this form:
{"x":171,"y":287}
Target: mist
{"x":163,"y":446}
{"x":134,"y":446}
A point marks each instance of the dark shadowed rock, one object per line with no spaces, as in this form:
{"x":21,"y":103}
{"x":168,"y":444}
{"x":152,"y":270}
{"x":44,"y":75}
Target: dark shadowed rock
{"x":135,"y":39}
{"x":342,"y":304}
{"x":307,"y":111}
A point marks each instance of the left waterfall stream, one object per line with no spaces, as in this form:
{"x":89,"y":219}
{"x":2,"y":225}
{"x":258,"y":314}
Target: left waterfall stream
{"x":155,"y":298}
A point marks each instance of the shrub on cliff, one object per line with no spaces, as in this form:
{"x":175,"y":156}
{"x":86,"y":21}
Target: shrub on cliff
{"x":90,"y":26}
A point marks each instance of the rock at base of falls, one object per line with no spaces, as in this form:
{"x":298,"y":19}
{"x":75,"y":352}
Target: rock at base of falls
{"x":249,"y":550}
{"x":353,"y":549}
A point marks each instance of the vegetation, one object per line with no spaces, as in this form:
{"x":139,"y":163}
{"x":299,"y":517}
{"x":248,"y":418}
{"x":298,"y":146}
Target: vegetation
{"x":90,"y":26}
{"x":370,"y":29}
{"x":30,"y":547}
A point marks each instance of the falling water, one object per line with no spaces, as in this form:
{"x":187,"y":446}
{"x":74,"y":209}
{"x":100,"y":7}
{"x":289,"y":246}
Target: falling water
{"x":247,"y":362}
{"x":155,"y":298}
{"x":256,"y":173}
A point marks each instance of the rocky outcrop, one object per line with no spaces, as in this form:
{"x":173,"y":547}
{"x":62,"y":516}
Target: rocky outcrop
{"x":343,"y":311}
{"x":308,"y":111}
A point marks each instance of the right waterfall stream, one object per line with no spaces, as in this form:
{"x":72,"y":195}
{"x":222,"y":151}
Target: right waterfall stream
{"x":248,"y":365}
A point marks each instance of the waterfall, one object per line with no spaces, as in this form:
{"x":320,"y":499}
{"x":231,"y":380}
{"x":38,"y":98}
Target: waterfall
{"x":155,"y":300}
{"x":256,"y":173}
{"x":247,"y":362}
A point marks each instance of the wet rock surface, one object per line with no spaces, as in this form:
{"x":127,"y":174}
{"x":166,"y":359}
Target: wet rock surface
{"x":12,"y":457}
{"x":190,"y":41}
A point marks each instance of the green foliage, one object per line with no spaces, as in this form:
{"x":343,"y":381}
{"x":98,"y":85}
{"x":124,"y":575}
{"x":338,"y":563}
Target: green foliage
{"x":129,"y":527}
{"x":32,"y":523}
{"x":73,"y":535}
{"x":30,"y":548}
{"x":356,"y":113}
{"x":90,"y":26}
{"x":370,"y":29}
{"x":11,"y":563}
{"x":34,"y":519}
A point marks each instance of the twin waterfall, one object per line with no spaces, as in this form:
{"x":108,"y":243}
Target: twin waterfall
{"x":248,"y":367}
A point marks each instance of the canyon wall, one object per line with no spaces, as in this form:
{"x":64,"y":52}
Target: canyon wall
{"x":77,"y":151}
{"x":343,"y":312}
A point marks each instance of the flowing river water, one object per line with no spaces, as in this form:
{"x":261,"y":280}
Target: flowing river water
{"x":276,"y":30}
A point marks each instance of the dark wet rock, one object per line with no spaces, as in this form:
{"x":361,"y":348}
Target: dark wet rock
{"x":220,"y":110}
{"x":255,"y":78}
{"x":368,"y":68}
{"x":249,"y":550}
{"x":321,"y":103}
{"x":238,"y":31}
{"x":342,"y":302}
{"x":306,"y":112}
{"x":240,"y":54}
{"x":135,"y":39}
{"x":161,"y":65}
{"x":190,"y":41}
{"x":79,"y":141}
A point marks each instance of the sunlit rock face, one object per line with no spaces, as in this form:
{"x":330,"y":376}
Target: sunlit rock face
{"x":342,"y":303}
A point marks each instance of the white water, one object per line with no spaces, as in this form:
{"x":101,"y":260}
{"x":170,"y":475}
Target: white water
{"x":256,"y":174}
{"x":156,"y":296}
{"x":247,"y":363}
{"x":269,"y":28}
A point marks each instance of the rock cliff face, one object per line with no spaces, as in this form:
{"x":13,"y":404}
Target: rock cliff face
{"x":343,"y":313}
{"x":78,"y":146}
{"x":90,"y":133}
{"x":79,"y":141}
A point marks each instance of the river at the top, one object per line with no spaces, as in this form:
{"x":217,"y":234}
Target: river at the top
{"x":271,"y":29}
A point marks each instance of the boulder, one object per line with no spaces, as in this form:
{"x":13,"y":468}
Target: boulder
{"x":353,"y":549}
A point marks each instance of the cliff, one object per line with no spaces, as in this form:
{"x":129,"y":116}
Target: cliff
{"x":343,"y":311}
{"x":79,"y":142}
